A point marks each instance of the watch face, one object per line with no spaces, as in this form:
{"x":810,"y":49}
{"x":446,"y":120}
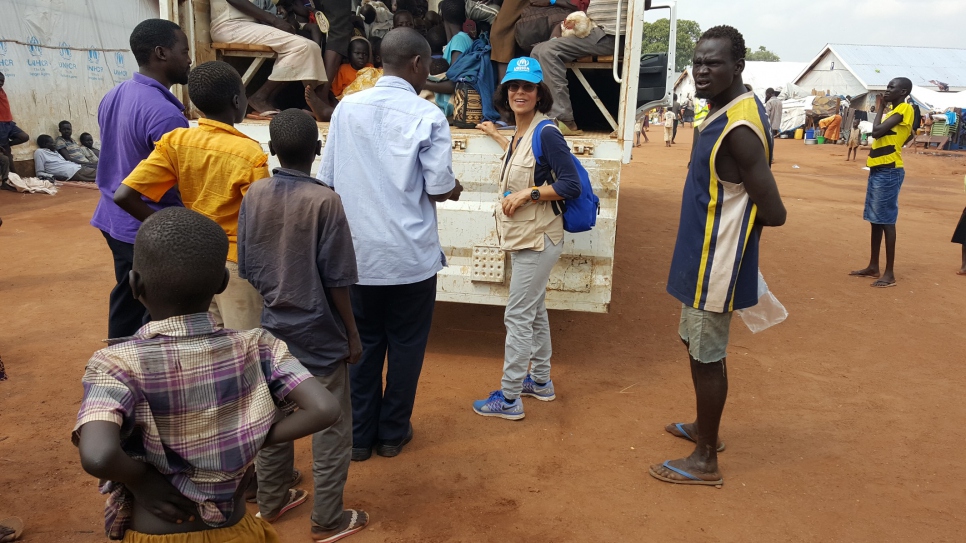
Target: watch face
{"x":535,"y":194}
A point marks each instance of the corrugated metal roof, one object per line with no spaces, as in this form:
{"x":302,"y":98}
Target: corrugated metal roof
{"x":876,"y":65}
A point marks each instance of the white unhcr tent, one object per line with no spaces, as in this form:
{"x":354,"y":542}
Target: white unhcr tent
{"x":60,"y":57}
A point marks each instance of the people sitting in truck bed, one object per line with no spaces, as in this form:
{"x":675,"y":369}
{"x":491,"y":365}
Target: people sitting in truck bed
{"x":70,"y":149}
{"x":554,"y":55}
{"x":378,"y":18}
{"x":303,"y":25}
{"x":299,"y":59}
{"x":48,"y":162}
{"x":360,"y":53}
{"x":403,"y":19}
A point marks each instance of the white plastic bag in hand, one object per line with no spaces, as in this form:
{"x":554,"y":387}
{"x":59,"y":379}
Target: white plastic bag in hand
{"x":767,"y":313}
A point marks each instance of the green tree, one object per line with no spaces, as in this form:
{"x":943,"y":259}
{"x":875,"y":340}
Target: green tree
{"x":657,"y":35}
{"x":761,"y":54}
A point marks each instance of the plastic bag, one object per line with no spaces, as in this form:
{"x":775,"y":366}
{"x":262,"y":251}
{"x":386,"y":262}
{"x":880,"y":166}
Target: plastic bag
{"x":767,"y":313}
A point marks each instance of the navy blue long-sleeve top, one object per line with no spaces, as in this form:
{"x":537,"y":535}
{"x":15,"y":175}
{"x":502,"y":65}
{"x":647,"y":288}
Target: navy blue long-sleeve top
{"x":557,"y":161}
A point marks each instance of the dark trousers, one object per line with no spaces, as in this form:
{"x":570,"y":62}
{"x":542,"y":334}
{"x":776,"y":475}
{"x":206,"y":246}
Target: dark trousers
{"x":7,"y":152}
{"x":674,"y":134}
{"x":127,"y":314}
{"x":394,"y":319}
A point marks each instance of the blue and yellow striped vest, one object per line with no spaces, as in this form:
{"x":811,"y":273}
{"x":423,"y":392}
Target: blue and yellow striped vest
{"x":715,"y":262}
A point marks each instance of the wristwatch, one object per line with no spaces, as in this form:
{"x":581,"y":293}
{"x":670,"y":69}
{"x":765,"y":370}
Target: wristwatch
{"x":535,"y":194}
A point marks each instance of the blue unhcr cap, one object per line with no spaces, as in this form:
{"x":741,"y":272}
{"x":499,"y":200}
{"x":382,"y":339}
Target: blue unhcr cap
{"x":524,"y":69}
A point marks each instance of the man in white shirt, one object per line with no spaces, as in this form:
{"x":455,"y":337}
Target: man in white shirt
{"x":389,"y":157}
{"x":48,"y":160}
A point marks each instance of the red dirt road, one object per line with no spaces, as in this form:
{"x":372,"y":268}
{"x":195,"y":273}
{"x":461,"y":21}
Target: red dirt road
{"x":845,"y":423}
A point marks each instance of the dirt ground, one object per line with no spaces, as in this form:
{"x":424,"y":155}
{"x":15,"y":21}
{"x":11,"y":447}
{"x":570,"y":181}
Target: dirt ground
{"x":843,"y":424}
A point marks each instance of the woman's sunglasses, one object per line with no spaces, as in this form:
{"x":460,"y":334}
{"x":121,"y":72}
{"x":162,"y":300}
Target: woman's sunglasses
{"x":525,"y":87}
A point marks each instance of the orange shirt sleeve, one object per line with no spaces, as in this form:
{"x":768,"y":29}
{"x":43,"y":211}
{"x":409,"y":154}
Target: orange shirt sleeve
{"x":343,"y":79}
{"x":155,"y":175}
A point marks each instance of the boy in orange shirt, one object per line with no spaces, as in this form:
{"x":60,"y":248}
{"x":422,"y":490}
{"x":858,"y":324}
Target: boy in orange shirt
{"x":212,"y":165}
{"x":360,"y":54}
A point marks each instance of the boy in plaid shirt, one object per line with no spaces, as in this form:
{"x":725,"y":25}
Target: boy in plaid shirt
{"x":173,"y":416}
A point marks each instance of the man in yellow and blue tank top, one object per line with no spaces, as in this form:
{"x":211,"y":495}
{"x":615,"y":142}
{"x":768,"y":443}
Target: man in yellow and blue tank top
{"x":729,"y":195}
{"x":891,"y":131}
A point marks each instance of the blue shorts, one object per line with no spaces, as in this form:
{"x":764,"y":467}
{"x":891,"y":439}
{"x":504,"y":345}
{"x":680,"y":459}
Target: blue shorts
{"x":882,"y":195}
{"x":705,"y":333}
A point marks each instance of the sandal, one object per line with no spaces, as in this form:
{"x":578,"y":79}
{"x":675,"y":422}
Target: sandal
{"x":11,"y":529}
{"x":296,"y":497}
{"x":679,"y":426}
{"x":357,"y":520}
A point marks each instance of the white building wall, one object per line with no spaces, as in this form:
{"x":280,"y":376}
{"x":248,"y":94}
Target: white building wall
{"x":830,"y":74}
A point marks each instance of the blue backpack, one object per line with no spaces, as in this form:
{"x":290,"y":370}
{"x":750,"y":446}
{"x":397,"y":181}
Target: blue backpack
{"x":580,"y":213}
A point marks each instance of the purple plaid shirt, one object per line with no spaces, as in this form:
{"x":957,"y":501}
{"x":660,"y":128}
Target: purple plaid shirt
{"x":193,"y":400}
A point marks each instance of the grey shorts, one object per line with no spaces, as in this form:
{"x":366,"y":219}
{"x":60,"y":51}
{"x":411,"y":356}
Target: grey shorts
{"x":705,"y":333}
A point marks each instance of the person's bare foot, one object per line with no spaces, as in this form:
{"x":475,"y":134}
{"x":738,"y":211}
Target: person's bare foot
{"x":321,"y":110}
{"x":687,"y":471}
{"x":866,"y":272}
{"x":962,"y":270}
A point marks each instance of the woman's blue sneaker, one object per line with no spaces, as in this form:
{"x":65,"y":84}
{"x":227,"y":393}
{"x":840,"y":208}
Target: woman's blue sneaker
{"x":543,"y":393}
{"x":497,"y":406}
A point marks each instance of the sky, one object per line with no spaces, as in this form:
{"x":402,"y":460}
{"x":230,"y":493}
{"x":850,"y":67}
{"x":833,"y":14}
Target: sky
{"x":797,"y":30}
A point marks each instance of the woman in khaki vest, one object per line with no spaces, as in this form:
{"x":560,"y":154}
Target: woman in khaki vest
{"x":531,"y":230}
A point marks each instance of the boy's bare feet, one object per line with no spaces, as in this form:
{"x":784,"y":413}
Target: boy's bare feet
{"x":320,"y":108}
{"x":867,"y":272}
{"x":687,"y":471}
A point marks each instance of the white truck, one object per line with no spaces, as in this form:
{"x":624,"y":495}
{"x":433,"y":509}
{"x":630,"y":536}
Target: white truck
{"x":478,"y":270}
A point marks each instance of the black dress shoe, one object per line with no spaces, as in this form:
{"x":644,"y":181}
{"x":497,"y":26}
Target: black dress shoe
{"x":361,"y":454}
{"x":390,"y":449}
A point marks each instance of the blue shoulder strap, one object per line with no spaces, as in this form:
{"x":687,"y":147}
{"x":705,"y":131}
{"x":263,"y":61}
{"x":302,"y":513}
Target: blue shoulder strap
{"x":537,"y":143}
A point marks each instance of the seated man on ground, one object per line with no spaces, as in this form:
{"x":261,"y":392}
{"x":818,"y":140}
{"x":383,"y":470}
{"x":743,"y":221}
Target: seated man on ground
{"x":48,"y":161}
{"x":168,"y":481}
{"x":92,"y":153}
{"x":70,"y":149}
{"x":299,"y":59}
{"x":554,"y":55}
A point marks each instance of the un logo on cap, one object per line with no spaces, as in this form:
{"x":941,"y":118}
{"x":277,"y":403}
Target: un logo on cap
{"x":523,"y":63}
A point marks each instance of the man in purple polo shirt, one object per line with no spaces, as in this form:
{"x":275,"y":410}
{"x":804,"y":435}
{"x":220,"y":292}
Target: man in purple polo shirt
{"x":132,"y":117}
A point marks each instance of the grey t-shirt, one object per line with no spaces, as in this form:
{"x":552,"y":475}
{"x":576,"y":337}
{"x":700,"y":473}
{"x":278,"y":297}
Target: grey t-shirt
{"x":293,"y":244}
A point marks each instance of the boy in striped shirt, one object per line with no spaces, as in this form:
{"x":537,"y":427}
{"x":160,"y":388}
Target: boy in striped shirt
{"x":173,"y":417}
